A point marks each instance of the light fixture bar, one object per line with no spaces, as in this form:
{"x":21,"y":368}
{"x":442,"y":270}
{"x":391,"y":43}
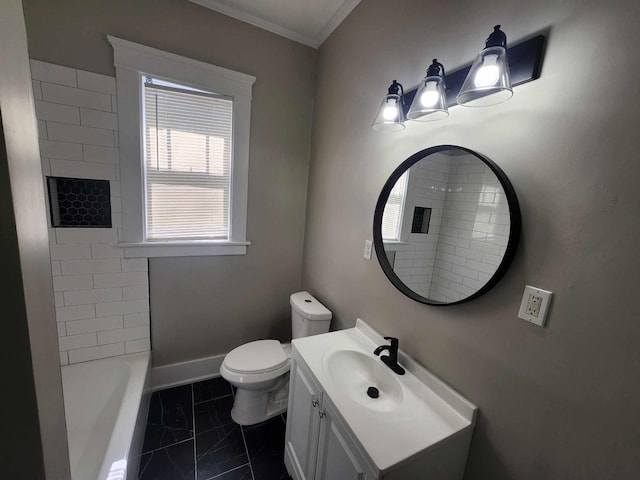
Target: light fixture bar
{"x":525,"y":64}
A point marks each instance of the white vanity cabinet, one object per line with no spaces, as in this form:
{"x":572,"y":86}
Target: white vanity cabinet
{"x":303,"y":423}
{"x":418,"y":428}
{"x":318,"y":446}
{"x":338,"y":456}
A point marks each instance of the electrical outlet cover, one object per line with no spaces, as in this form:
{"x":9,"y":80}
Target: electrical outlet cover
{"x":534,"y":305}
{"x":367,"y":249}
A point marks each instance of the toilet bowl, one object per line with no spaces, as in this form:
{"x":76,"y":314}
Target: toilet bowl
{"x":260,"y":369}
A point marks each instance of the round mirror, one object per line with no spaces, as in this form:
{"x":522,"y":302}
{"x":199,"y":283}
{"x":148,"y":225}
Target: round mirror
{"x":446,"y":225}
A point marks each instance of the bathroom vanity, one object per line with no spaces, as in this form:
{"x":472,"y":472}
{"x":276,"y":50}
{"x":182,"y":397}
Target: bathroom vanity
{"x":417,"y":427}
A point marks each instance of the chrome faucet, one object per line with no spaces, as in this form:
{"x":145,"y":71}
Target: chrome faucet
{"x":390,"y":360}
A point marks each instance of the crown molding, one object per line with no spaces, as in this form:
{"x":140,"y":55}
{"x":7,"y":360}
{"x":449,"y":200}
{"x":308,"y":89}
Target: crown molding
{"x":336,"y":20}
{"x":310,"y":41}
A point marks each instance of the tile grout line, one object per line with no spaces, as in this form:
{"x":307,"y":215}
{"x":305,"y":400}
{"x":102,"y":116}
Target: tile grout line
{"x":193,"y":416}
{"x":77,"y":106}
{"x":103,"y":92}
{"x":161,"y":448}
{"x":216,"y":398}
{"x":245,"y":445}
{"x":244,"y":440}
{"x":229,"y":471}
{"x":246,"y":449}
{"x":194,"y":436}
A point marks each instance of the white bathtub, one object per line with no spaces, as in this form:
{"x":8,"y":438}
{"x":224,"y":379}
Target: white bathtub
{"x":106,"y":404}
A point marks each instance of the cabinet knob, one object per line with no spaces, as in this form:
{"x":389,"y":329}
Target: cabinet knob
{"x":314,"y":403}
{"x":322,"y":414}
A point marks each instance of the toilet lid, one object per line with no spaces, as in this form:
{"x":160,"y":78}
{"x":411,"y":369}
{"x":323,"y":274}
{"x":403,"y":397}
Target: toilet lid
{"x":260,"y":356}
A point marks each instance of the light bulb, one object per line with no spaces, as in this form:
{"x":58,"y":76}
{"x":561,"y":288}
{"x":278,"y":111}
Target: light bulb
{"x":489,"y":73}
{"x":390,"y":112}
{"x":430,"y":95}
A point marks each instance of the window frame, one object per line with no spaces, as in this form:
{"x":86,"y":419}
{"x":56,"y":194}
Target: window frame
{"x":405,"y":217}
{"x":133,"y":62}
{"x":402,"y":197}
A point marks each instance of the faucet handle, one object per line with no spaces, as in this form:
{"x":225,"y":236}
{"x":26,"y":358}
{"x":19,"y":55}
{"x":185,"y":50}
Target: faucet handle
{"x":394,"y":341}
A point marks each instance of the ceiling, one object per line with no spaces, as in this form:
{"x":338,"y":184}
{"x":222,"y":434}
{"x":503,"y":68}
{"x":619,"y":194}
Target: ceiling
{"x":309,"y":22}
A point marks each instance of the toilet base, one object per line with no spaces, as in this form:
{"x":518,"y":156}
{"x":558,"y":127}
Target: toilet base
{"x":251,"y":407}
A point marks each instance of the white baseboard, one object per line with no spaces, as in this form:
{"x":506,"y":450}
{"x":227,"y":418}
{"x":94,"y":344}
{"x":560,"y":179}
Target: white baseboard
{"x":185,"y":372}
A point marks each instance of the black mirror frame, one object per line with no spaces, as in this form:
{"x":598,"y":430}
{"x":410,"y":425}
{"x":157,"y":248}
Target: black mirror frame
{"x":514,"y":230}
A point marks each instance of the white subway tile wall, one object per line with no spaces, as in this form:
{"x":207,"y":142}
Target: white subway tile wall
{"x":468,"y":233}
{"x":414,"y":263}
{"x":102,"y":299}
{"x":475,"y":230}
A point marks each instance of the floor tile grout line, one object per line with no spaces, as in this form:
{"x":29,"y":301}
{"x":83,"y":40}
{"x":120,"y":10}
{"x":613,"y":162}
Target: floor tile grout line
{"x":194,"y":431}
{"x":246,"y":449}
{"x":194,"y":434}
{"x":193,"y":417}
{"x":211,"y":399}
{"x":229,"y":471}
{"x":167,"y":446}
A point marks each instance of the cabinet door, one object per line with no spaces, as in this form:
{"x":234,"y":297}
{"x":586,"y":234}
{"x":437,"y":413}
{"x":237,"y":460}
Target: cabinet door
{"x":303,"y":423}
{"x":337,"y":456}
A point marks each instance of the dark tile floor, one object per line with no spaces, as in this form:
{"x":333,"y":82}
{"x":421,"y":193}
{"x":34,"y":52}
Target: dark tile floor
{"x":190,"y":436}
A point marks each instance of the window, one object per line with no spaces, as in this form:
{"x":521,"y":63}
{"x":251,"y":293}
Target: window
{"x":184,"y":153}
{"x":187,"y":136}
{"x":394,"y":209}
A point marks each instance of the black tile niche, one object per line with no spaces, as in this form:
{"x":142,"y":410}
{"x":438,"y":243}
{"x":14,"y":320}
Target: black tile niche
{"x":79,"y":202}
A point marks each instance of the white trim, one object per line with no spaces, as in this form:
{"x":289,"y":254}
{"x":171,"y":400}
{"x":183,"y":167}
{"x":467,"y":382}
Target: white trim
{"x":257,"y":22}
{"x":133,"y":61}
{"x":337,"y":18}
{"x":186,"y":372}
{"x":158,"y":62}
{"x":196,"y":248}
{"x":313,"y":41}
{"x":394,"y":245}
{"x":23,"y":172}
{"x":194,"y":243}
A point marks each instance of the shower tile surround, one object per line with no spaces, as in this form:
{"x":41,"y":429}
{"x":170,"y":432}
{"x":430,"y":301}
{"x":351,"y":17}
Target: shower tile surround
{"x":190,"y":434}
{"x":468,"y":233}
{"x":102,"y":299}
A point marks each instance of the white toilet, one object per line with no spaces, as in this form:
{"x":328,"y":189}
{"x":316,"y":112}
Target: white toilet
{"x":260,"y":369}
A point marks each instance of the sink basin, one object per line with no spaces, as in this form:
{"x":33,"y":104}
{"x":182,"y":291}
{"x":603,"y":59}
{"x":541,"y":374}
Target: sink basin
{"x":354,"y":372}
{"x":416,"y":410}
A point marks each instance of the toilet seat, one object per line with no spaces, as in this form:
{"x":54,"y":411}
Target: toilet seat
{"x":260,"y":358}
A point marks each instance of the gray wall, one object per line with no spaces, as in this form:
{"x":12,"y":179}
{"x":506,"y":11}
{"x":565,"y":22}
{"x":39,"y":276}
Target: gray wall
{"x":555,"y":403}
{"x":34,"y":441}
{"x":202,"y":306}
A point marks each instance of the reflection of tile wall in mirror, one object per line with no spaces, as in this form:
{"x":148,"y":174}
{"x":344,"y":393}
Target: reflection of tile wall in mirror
{"x":427,"y":189}
{"x":469,"y":227}
{"x":474,"y":233}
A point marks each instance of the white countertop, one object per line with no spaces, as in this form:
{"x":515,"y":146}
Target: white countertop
{"x":429,"y":412}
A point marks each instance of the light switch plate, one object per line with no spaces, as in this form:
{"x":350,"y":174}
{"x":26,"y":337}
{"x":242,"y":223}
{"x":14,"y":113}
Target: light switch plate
{"x":367,"y":249}
{"x":534,"y":305}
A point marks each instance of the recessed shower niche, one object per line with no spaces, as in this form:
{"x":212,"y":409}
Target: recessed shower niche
{"x":79,"y":202}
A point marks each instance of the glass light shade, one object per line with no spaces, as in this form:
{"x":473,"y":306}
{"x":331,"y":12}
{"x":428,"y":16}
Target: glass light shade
{"x":390,"y":114}
{"x":430,"y":101}
{"x":488,"y":82}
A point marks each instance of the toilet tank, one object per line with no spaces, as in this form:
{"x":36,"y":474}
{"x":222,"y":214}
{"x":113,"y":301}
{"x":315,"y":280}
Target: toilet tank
{"x":308,"y":316}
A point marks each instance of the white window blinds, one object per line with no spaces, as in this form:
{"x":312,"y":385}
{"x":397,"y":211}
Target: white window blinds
{"x":187,"y":163}
{"x":392,"y":215}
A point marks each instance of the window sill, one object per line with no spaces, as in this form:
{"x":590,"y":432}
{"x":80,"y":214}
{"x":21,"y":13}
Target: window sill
{"x":195,"y":248}
{"x":393,"y":245}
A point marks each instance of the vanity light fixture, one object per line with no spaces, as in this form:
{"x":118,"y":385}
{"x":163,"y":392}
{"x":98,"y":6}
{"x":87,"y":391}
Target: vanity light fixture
{"x":488,"y":82}
{"x":430,"y":100}
{"x":391,"y":112}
